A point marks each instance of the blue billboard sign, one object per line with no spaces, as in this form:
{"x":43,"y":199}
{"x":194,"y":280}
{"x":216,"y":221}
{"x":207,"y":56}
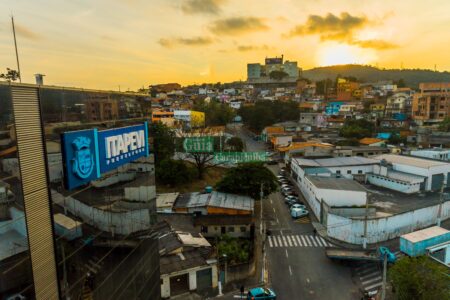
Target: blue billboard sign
{"x":89,"y":153}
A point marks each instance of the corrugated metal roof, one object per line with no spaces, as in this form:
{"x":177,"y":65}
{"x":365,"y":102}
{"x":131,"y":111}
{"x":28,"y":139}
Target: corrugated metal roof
{"x":411,"y":161}
{"x":218,"y":199}
{"x":424,"y":234}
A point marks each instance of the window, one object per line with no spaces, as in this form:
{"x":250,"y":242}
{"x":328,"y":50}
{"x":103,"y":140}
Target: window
{"x":231,"y":229}
{"x":204,"y":229}
{"x":349,"y":171}
{"x":360,"y":172}
{"x":243,"y":229}
{"x":338,"y":171}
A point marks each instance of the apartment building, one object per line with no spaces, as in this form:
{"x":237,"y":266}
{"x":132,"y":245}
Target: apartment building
{"x":432,"y":103}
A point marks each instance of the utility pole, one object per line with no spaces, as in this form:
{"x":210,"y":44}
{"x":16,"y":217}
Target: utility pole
{"x":261,"y":195}
{"x":15,"y":46}
{"x":365,"y":222}
{"x":383,"y":289}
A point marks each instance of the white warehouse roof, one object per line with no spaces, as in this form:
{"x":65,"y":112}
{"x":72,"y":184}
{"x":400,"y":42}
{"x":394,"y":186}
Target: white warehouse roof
{"x":336,"y":161}
{"x":411,"y":161}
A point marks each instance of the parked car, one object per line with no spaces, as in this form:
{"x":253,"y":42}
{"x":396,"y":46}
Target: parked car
{"x":292,"y":197}
{"x":261,"y":294}
{"x":291,"y":202}
{"x":297,"y":205}
{"x":298,"y":213}
{"x":281,"y":177}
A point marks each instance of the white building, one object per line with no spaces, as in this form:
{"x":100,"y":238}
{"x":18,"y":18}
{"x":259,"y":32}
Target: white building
{"x":436,"y":153}
{"x":435,"y":172}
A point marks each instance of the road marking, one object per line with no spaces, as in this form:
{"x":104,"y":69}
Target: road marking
{"x":273,"y":209}
{"x":303,"y":240}
{"x":289,"y":240}
{"x":287,"y":255}
{"x":278,"y":221}
{"x":368,"y":270}
{"x":270,"y":241}
{"x":323,"y":241}
{"x":294,"y":241}
{"x":313,"y":240}
{"x":298,"y":239}
{"x":290,"y":270}
{"x":280,"y":241}
{"x":371,"y":280}
{"x":271,"y":201}
{"x":308,"y":241}
{"x":284,"y":241}
{"x":281,"y":231}
{"x":275,"y":242}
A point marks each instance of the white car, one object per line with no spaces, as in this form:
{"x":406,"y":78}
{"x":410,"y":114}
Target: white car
{"x":298,"y":213}
{"x":298,"y":206}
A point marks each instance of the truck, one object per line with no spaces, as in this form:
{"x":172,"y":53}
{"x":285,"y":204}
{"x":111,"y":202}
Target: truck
{"x":417,"y":242}
{"x":360,"y":254}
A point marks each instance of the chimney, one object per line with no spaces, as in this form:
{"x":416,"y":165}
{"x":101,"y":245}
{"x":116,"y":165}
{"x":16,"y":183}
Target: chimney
{"x":39,"y":79}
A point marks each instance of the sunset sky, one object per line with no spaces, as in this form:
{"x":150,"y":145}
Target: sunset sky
{"x":133,"y":43}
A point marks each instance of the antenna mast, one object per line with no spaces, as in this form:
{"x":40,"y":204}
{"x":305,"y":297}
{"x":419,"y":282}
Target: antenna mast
{"x":15,"y":45}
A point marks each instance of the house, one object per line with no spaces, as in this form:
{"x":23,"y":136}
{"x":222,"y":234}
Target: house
{"x":372,"y":142}
{"x":164,"y":202}
{"x":271,"y":130}
{"x":435,"y":153}
{"x":240,"y":226}
{"x":364,"y":151}
{"x":187,"y":262}
{"x":214,"y":203}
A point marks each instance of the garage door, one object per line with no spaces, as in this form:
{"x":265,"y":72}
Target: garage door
{"x":204,"y":279}
{"x":436,"y":182}
{"x":179,"y":284}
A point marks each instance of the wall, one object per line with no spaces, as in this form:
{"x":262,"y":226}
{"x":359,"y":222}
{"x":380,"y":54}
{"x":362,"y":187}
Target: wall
{"x":116,"y":178}
{"x":114,"y":222}
{"x":382,"y":229}
{"x":216,"y":230}
{"x":393,"y":184}
{"x":140,"y":193}
{"x":341,"y":197}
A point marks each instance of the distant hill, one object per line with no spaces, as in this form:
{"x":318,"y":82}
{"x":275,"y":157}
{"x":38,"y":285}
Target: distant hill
{"x":412,"y":77}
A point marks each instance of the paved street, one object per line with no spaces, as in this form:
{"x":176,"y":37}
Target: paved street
{"x":297,"y":265}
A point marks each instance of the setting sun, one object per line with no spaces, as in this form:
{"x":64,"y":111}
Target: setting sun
{"x":338,"y":54}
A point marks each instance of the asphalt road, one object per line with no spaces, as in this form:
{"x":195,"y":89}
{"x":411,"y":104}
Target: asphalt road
{"x":296,"y":263}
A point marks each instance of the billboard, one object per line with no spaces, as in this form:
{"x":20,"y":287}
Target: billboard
{"x":89,"y":153}
{"x":240,"y":157}
{"x":199,"y":144}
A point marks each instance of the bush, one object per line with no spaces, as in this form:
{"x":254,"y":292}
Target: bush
{"x":174,"y":172}
{"x":237,"y":250}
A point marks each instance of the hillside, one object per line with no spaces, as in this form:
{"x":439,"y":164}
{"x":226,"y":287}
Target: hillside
{"x":412,"y":77}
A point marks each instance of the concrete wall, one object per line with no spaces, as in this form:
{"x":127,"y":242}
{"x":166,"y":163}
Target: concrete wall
{"x":140,"y":193}
{"x":382,"y":229}
{"x":340,"y":197}
{"x":427,"y":172}
{"x":114,"y":222}
{"x":393,"y":184}
{"x":16,"y":223}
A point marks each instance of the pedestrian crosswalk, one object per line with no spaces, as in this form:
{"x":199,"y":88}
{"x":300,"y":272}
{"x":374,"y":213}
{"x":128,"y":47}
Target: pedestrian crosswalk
{"x":371,"y":275}
{"x":297,"y":241}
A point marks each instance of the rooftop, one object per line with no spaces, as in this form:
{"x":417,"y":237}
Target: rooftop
{"x":216,"y":199}
{"x":166,"y":200}
{"x":411,"y":161}
{"x":12,"y":243}
{"x":425,"y":234}
{"x":369,"y":141}
{"x":332,"y":183}
{"x":336,"y":161}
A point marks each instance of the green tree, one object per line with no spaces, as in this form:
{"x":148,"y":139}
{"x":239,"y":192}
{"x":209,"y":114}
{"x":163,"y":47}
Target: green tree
{"x":445,"y":125}
{"x":419,"y":278}
{"x":174,"y":172}
{"x":216,"y":114}
{"x":357,"y":129}
{"x":163,"y":141}
{"x":246,"y":179}
{"x":10,"y":75}
{"x":396,"y":139}
{"x":236,"y":250}
{"x":265,"y":113}
{"x":400,"y":83}
{"x":278,"y":75}
{"x":234,"y":144}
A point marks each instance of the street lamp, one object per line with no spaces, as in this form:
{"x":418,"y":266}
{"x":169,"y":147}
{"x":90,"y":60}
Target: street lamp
{"x":225,"y":270}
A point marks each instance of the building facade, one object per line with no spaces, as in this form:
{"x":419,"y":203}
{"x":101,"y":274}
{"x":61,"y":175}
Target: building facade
{"x":69,"y":243}
{"x":432,"y":103}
